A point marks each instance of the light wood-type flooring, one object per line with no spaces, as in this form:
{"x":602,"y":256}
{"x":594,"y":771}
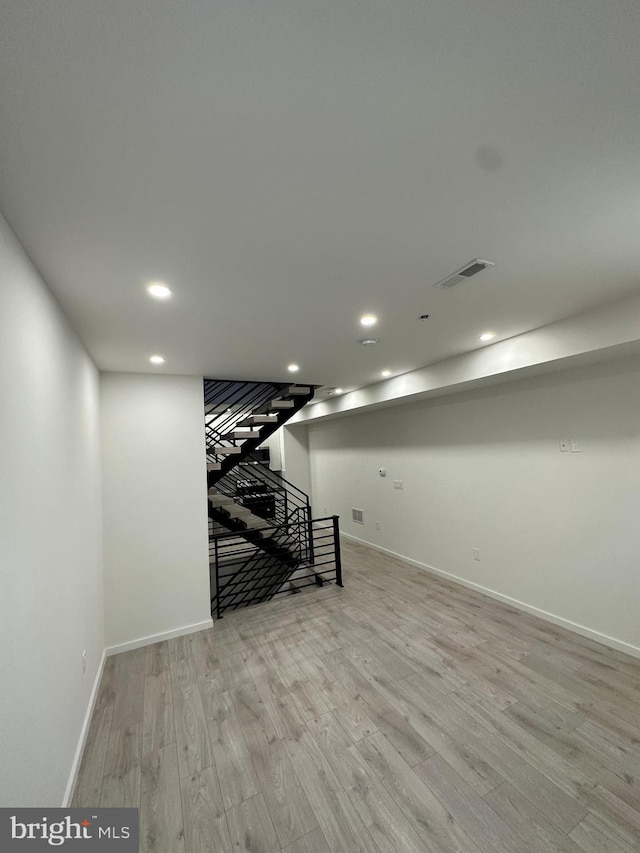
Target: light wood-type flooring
{"x":401,"y":713}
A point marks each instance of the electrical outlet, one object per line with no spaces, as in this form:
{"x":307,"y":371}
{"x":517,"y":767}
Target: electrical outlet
{"x":564,"y":445}
{"x":575,"y":447}
{"x":84,"y":661}
{"x":398,"y":484}
{"x":476,"y":553}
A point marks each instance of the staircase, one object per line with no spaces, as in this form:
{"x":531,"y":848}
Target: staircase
{"x":239,"y":416}
{"x":260,"y":528}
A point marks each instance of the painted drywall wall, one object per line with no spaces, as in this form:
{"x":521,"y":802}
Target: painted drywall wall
{"x":155,"y":506}
{"x":557,"y":531}
{"x":51,"y":607}
{"x":295,"y":457}
{"x":275,"y":446}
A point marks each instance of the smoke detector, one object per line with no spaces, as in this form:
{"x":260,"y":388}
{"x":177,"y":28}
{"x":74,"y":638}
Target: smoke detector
{"x":464,"y":273}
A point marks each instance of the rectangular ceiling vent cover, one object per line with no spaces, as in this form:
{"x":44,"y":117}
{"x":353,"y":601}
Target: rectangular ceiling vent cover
{"x":467,"y":271}
{"x":358,"y":515}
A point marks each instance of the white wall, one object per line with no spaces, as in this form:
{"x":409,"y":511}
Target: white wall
{"x":295,"y":458}
{"x":155,"y":506}
{"x":50,"y":540}
{"x":556,"y":531}
{"x":275,"y":446}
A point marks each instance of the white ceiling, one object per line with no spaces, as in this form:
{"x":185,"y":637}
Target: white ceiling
{"x":285,"y":166}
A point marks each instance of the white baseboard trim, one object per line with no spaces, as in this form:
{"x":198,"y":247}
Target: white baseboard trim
{"x":605,"y":639}
{"x":77,"y":758}
{"x":157,"y":638}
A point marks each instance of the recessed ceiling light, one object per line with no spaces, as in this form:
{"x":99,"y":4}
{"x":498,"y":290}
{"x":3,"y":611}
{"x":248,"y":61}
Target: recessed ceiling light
{"x":293,"y":368}
{"x":338,"y":390}
{"x":369,"y":342}
{"x":368,"y":320}
{"x":385,"y":373}
{"x":156,"y":359}
{"x":158,"y":290}
{"x":487,"y":336}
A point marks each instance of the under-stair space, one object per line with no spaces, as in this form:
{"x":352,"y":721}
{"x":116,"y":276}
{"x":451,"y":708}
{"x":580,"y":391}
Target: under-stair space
{"x":262,"y":538}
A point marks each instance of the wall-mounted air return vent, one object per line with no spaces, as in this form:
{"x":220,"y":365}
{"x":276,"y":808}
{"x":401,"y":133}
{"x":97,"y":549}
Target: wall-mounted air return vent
{"x":358,"y":515}
{"x":467,"y":272}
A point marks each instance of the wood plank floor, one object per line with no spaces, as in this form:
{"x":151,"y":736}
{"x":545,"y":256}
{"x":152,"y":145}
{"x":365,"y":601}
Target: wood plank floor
{"x":401,"y":713}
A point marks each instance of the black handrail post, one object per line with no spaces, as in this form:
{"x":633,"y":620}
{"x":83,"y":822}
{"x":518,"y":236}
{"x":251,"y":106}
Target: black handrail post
{"x":218,"y":611}
{"x":336,"y":543}
{"x":312,"y":556}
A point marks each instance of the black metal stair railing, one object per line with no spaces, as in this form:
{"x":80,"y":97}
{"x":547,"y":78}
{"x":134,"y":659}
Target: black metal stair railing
{"x":227,"y":403}
{"x":239,"y":416}
{"x":244,"y":574}
{"x":261,"y":533}
{"x":287,"y":543}
{"x":270,"y":496}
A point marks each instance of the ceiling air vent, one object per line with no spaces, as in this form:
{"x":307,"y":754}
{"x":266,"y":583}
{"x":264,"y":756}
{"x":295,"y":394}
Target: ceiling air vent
{"x":357,"y":515}
{"x":467,"y":271}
